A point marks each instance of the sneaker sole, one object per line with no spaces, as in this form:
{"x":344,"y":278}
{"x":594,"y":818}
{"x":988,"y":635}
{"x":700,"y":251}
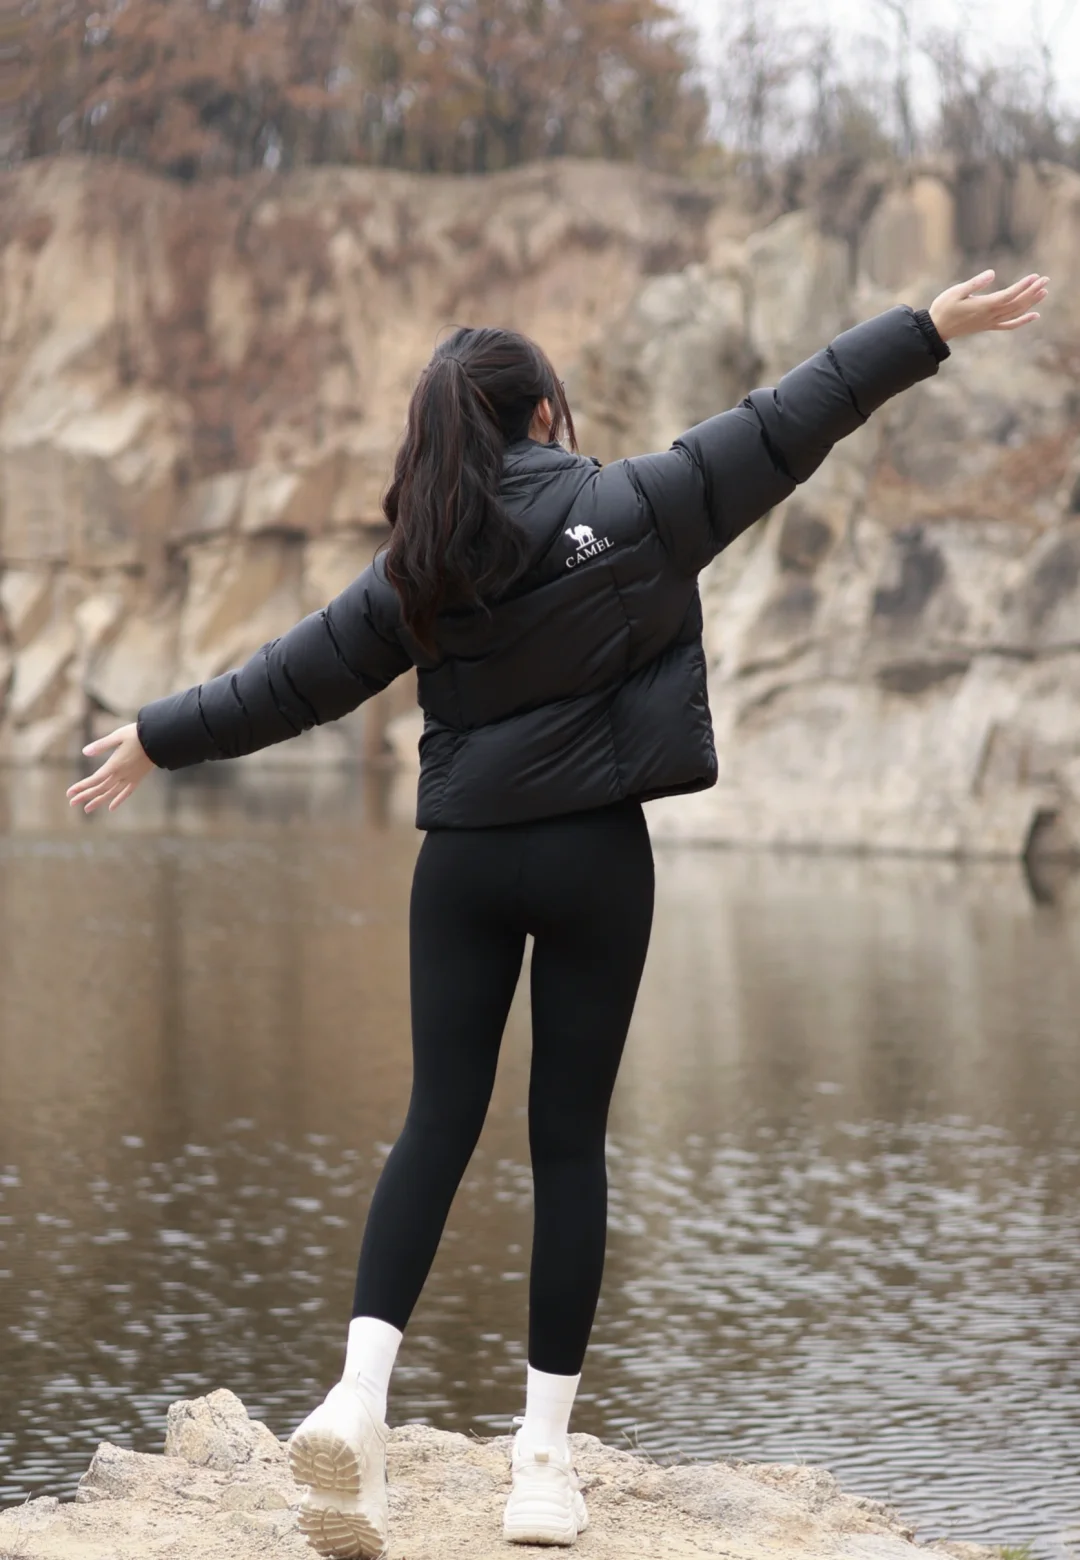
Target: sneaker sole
{"x":328,"y":1466}
{"x":325,"y":1461}
{"x":537,"y":1527}
{"x":524,"y":1533}
{"x":340,"y":1535}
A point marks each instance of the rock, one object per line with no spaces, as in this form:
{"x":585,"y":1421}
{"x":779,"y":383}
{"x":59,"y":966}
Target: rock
{"x":117,"y":1474}
{"x":678,"y":353}
{"x":216,"y":1432}
{"x":331,"y":563}
{"x":6,"y":663}
{"x":1057,"y":237}
{"x":982,"y":207}
{"x":202,"y":389}
{"x":184,"y":368}
{"x":87,"y":479}
{"x":797,"y":304}
{"x":211,"y":506}
{"x":135,"y":667}
{"x":911,"y":235}
{"x":40,"y":673}
{"x":98,"y":618}
{"x":223,"y":1488}
{"x":1026,"y":205}
{"x":299,"y":500}
{"x":25,"y":603}
{"x":240,"y":594}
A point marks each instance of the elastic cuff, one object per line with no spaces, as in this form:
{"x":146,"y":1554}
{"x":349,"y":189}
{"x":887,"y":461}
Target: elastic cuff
{"x":140,"y":731}
{"x":938,"y":346}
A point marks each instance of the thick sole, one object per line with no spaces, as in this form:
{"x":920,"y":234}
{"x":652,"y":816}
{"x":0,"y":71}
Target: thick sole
{"x":324,"y":1461}
{"x":526,"y":1526}
{"x":538,"y":1535}
{"x":337,"y":1533}
{"x":331,"y":1516}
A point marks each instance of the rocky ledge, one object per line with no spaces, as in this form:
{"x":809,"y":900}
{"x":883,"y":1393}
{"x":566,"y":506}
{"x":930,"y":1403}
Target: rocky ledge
{"x":223,"y":1488}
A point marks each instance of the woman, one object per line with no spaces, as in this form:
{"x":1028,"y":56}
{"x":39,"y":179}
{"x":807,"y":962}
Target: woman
{"x":551,"y":607}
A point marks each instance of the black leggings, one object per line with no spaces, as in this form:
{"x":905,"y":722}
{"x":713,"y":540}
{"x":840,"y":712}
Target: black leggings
{"x":583,"y":887}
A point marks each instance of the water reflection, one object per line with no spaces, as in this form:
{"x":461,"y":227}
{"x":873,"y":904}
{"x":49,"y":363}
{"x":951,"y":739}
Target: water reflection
{"x":846,"y":1175}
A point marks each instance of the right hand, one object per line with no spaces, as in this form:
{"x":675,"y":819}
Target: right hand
{"x":959,"y":312}
{"x":125,"y":768}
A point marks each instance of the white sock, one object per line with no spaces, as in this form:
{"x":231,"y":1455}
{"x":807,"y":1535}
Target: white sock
{"x":548,"y":1402}
{"x":369,"y":1359}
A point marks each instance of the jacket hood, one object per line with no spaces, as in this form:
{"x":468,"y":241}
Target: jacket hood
{"x":540,"y":485}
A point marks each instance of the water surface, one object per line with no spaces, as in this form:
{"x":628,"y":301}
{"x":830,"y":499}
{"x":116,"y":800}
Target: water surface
{"x":845,"y":1153}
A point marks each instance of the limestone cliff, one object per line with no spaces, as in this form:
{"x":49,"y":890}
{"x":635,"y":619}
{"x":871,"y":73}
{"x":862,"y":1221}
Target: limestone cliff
{"x":224,"y":1488}
{"x":201,"y":389}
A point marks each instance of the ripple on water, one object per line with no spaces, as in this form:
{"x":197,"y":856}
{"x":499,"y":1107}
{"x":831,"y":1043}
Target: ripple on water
{"x":845,"y":1177}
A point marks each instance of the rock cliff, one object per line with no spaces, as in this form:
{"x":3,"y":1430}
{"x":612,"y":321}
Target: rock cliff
{"x":223,"y":1488}
{"x":201,"y":389}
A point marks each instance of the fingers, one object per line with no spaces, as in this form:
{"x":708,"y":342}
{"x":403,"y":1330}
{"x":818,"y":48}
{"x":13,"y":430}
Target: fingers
{"x":1025,"y":284}
{"x":1021,"y":305}
{"x":105,"y":796}
{"x":1025,"y":319}
{"x":89,"y":783}
{"x":1013,"y":302}
{"x":1018,"y":298}
{"x":103,"y":744}
{"x":114,"y":780}
{"x":977,"y":283}
{"x":92,"y":792}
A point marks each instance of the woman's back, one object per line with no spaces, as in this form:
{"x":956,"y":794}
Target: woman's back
{"x":578,"y":679}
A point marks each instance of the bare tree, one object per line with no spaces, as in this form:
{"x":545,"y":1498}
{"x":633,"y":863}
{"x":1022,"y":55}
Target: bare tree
{"x":901,"y":13}
{"x":1007,"y":111}
{"x":760,"y":63}
{"x":840,"y":117}
{"x":1046,"y":33}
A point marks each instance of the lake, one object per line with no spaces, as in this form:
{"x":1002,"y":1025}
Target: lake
{"x":845,"y":1152}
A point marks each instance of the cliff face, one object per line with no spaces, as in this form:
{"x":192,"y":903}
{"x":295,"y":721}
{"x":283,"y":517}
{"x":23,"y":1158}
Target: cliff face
{"x":202,"y":390}
{"x":896,"y":652}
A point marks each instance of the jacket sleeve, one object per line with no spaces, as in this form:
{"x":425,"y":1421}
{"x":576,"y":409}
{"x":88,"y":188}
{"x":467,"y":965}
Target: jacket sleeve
{"x":320,"y":670}
{"x":721,"y":476}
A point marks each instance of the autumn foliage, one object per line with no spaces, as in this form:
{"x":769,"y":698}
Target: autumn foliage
{"x":194,"y":88}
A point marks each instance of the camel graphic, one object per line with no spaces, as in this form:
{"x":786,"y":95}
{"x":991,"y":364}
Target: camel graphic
{"x":582,"y":535}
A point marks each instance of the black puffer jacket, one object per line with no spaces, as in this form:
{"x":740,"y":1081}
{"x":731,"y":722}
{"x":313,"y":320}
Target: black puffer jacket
{"x":586,"y":684}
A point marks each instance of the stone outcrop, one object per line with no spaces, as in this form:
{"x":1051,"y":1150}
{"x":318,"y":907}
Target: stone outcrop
{"x":202,"y":389}
{"x":223,"y":1488}
{"x":896,"y":652}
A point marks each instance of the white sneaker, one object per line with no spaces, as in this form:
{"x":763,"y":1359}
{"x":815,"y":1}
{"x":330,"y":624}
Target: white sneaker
{"x":546,"y":1505}
{"x":339,"y":1453}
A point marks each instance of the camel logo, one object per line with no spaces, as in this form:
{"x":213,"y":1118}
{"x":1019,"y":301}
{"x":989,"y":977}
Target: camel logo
{"x":582,"y":535}
{"x":588,"y":545}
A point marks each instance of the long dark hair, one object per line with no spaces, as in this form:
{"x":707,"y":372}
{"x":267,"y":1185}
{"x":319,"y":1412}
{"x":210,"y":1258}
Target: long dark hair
{"x":453,"y":543}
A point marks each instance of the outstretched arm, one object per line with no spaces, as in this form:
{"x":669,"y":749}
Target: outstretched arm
{"x":721,"y":476}
{"x":319,"y":671}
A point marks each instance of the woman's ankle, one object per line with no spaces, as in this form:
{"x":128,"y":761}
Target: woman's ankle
{"x":370,"y":1358}
{"x":549,"y":1401}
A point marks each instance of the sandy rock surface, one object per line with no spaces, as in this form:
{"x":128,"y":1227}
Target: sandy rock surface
{"x":223,"y":1489}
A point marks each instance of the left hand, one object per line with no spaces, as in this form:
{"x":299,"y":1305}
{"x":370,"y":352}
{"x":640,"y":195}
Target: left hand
{"x":968,"y":309}
{"x":118,"y":776}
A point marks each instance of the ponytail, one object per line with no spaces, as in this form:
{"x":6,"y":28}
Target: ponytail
{"x":453,"y":543}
